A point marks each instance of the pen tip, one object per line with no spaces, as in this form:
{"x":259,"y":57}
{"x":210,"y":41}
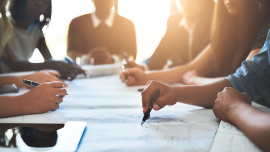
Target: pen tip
{"x":142,"y":123}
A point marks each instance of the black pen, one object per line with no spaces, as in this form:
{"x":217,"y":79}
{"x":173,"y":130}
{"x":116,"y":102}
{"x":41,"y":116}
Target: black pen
{"x":141,"y":90}
{"x":67,"y":58}
{"x":32,"y":83}
{"x":146,"y":115}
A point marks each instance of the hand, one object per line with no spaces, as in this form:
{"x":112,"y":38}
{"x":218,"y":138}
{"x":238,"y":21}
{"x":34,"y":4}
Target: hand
{"x":136,"y":76}
{"x":67,"y":71}
{"x":42,"y":77}
{"x":43,"y":98}
{"x":100,"y":55}
{"x":227,"y":102}
{"x":132,"y":64}
{"x":168,"y":95}
{"x":188,"y":77}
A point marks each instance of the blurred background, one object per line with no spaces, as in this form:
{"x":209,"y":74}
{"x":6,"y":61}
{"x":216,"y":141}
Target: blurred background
{"x":150,"y":25}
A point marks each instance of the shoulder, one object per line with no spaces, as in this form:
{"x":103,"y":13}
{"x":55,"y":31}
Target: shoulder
{"x":80,"y":19}
{"x":123,"y":20}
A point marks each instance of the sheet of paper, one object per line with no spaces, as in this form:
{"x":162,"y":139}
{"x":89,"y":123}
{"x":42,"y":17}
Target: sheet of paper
{"x":101,"y":70}
{"x":230,"y":138}
{"x":113,"y":114}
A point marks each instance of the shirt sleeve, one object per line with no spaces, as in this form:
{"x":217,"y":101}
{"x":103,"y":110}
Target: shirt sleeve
{"x":253,"y":77}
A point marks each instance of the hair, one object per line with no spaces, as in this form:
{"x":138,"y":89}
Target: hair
{"x":6,"y":29}
{"x":230,"y":39}
{"x":209,"y":5}
{"x":18,"y":12}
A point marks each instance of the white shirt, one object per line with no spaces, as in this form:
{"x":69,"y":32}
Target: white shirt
{"x":24,"y":42}
{"x":109,"y":21}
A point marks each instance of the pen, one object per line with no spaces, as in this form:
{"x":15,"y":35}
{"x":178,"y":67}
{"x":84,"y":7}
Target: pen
{"x":124,"y":63}
{"x":67,"y":58}
{"x":32,"y":83}
{"x":146,"y":115}
{"x":141,"y":90}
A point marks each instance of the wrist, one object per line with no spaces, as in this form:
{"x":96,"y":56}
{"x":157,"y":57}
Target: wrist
{"x":20,"y":105}
{"x":235,"y":111}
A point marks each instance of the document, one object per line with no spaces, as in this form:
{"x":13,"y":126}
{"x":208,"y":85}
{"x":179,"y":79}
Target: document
{"x":101,"y":70}
{"x":113,"y":113}
{"x":230,"y":138}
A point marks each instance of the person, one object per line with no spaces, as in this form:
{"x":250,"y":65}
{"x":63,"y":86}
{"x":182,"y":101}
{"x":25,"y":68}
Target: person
{"x":252,"y":78}
{"x":188,"y":33}
{"x":43,"y":98}
{"x":192,"y":77}
{"x":233,"y":33}
{"x":28,"y":35}
{"x":101,"y":37}
{"x":230,"y":98}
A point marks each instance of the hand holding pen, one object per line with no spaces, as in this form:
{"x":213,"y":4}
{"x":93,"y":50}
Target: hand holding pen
{"x":33,"y":84}
{"x":156,"y":96}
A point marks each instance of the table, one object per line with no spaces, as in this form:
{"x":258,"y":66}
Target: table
{"x":113,"y":114}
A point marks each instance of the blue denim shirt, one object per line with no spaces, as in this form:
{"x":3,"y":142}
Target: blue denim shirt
{"x":253,"y":77}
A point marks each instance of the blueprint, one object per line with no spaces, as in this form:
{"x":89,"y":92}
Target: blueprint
{"x":113,"y":114}
{"x":230,"y":138}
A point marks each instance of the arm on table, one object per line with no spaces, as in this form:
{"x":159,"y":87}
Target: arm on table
{"x":40,"y":99}
{"x":234,"y":106}
{"x":192,"y":78}
{"x":203,"y":96}
{"x":203,"y":64}
{"x":40,"y":77}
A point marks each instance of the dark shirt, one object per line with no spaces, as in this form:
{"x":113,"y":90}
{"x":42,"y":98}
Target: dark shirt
{"x":261,"y":36}
{"x":174,"y":45}
{"x":119,"y":38}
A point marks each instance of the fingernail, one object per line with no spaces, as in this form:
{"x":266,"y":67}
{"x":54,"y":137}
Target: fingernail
{"x":156,"y":106}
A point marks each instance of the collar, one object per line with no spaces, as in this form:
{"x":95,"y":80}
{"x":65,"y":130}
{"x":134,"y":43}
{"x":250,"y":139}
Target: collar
{"x":184,"y":24}
{"x":108,"y":21}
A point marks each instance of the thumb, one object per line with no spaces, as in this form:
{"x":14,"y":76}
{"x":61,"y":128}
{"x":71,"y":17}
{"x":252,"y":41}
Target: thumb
{"x":56,"y":84}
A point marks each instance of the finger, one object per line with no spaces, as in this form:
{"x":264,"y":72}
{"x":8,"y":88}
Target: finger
{"x":55,"y":73}
{"x":58,"y":100}
{"x":160,"y":103}
{"x":53,"y":78}
{"x":55,"y":106}
{"x":130,"y":81}
{"x":147,"y":93}
{"x":227,"y":88}
{"x":60,"y":91}
{"x":56,"y":84}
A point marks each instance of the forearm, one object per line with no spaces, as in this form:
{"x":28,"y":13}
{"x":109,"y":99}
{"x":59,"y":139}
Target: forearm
{"x":204,"y":80}
{"x":203,"y":96}
{"x":12,"y":106}
{"x":254,"y":124}
{"x":202,"y":64}
{"x":173,"y":75}
{"x":27,"y":66}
